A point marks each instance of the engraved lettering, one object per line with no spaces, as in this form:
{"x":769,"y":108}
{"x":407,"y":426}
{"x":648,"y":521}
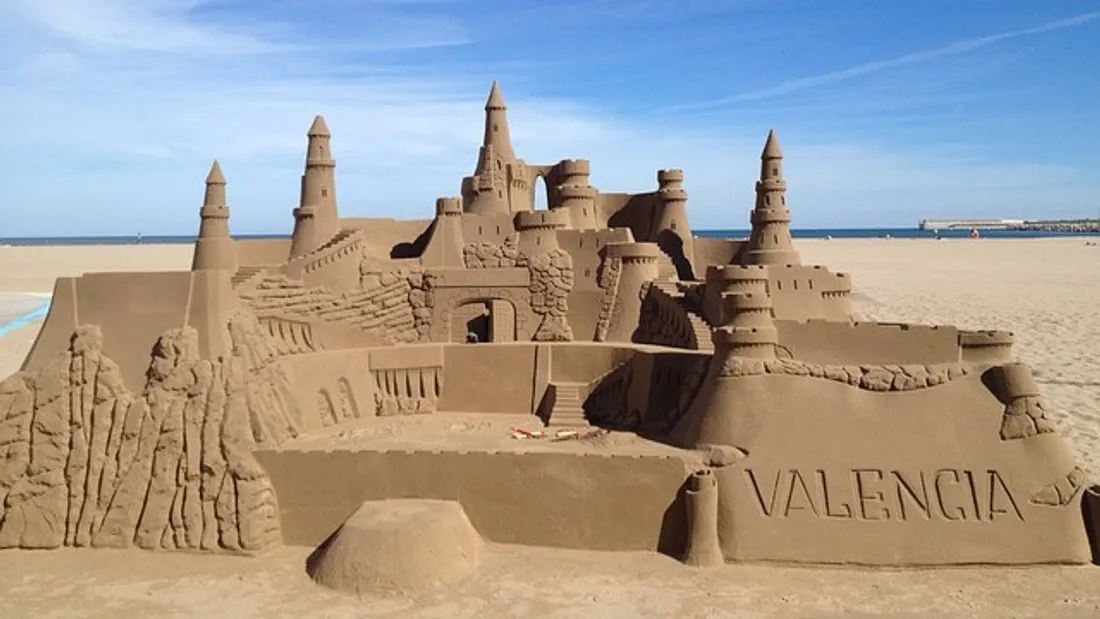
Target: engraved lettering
{"x":904,"y":489}
{"x":974,"y":494}
{"x":770,"y":507}
{"x":846,"y":510}
{"x":997,"y":486}
{"x":874,"y":494}
{"x":940,"y":476}
{"x":862,"y":483}
{"x":796,"y":480}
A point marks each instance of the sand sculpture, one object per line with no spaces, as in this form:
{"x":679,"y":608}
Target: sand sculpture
{"x":259,"y":398}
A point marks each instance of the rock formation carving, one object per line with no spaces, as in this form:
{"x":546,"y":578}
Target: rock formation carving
{"x":86,"y":462}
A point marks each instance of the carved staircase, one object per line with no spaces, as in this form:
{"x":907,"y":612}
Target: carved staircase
{"x":699,"y":324}
{"x":247,"y":277}
{"x":568,"y":408}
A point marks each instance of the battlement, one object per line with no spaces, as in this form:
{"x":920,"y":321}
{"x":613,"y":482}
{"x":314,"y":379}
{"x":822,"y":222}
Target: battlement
{"x":672,"y":175}
{"x":448,"y":206}
{"x":720,"y":273}
{"x":569,"y":168}
{"x":574,"y":192}
{"x":969,"y":339}
{"x":628,"y":252}
{"x":536,"y":220}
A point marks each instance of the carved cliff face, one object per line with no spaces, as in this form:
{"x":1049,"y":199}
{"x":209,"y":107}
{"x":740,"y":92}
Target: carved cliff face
{"x":86,"y":462}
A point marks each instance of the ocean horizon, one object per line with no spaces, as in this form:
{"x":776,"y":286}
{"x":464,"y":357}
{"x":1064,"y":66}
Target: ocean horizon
{"x":797,"y":233}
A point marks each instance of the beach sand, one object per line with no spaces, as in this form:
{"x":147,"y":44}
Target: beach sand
{"x":1047,"y":291}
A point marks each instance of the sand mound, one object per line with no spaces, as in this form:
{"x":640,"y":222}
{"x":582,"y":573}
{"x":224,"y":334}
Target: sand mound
{"x":398,"y":546}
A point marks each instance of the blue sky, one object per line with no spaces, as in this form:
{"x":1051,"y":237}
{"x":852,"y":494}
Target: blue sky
{"x":888,"y":110}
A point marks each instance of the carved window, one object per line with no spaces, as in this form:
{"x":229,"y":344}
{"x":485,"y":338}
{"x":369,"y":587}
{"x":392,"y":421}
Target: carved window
{"x":775,"y":239}
{"x":811,"y":283}
{"x":538,"y":240}
{"x":324,"y":193}
{"x":775,"y":171}
{"x":673,"y":226}
{"x":767,"y":200}
{"x":587,"y":272}
{"x":479,"y":230}
{"x":498,"y":229}
{"x":795,"y":284}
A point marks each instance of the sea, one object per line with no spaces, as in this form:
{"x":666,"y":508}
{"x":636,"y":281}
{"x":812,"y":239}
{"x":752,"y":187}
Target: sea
{"x":798,"y":233}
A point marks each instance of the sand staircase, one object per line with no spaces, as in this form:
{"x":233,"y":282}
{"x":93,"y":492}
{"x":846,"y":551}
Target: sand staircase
{"x":568,"y":408}
{"x":699,"y":324}
{"x":247,"y":277}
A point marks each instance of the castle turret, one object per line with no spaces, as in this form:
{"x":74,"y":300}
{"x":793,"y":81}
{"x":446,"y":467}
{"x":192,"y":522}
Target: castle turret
{"x":671,"y":230}
{"x":316,"y":219}
{"x":501,"y":183}
{"x":538,"y":230}
{"x":214,"y":247}
{"x":497,"y":134}
{"x":770,"y":241}
{"x":445,"y":247}
{"x":639,"y":266}
{"x":575,"y":195}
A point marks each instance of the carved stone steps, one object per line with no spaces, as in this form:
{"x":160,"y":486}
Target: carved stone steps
{"x":568,"y":408}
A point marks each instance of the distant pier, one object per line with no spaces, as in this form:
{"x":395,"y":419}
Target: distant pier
{"x":1038,"y":225}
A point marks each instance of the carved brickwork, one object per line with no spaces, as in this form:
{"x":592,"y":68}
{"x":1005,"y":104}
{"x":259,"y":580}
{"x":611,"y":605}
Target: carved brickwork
{"x":1025,"y":417}
{"x":870,"y":377}
{"x":663,"y":321}
{"x":551,"y":282}
{"x":86,"y":462}
{"x":485,"y":255}
{"x":608,"y":280}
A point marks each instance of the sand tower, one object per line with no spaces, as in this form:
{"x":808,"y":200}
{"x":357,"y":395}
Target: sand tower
{"x":316,"y":218}
{"x":770,"y":241}
{"x":501,"y":182}
{"x":214,"y":247}
{"x":575,"y":195}
{"x":673,"y":231}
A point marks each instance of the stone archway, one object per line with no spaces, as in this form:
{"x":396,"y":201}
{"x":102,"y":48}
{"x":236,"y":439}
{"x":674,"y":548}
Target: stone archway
{"x":491,"y":320}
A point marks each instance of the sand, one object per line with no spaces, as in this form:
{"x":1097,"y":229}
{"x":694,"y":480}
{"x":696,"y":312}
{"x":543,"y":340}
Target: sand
{"x":1047,"y":291}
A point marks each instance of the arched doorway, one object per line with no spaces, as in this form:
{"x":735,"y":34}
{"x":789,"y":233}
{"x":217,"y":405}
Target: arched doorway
{"x":490,"y":320}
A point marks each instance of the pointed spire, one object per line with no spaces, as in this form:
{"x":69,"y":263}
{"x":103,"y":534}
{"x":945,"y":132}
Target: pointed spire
{"x":215,"y":177}
{"x":319,"y":128}
{"x":771,"y":147}
{"x":496,"y":100}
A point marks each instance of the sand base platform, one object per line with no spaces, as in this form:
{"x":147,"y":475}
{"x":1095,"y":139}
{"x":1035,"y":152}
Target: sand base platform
{"x":398,"y":546}
{"x":535,"y":491}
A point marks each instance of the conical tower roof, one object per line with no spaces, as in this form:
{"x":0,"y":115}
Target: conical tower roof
{"x":215,"y":177}
{"x":496,"y":100}
{"x":319,"y":127}
{"x":772,"y":149}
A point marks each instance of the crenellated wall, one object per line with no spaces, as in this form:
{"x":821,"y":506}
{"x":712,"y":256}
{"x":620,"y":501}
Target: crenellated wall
{"x":857,"y":343}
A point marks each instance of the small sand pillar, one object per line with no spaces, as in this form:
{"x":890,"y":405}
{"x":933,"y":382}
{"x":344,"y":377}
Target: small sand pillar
{"x":703,"y":549}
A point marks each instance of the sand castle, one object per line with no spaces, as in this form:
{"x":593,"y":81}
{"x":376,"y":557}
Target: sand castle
{"x":280,"y":387}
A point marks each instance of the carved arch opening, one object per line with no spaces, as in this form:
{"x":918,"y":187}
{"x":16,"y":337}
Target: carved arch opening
{"x":487,"y":319}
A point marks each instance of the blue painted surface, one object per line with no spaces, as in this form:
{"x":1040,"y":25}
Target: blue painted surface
{"x":24,"y":320}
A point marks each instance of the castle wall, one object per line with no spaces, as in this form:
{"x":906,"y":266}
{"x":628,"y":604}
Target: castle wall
{"x":592,"y":502}
{"x":716,"y":251}
{"x":625,"y":210}
{"x":808,"y":293}
{"x":489,"y":378}
{"x":132,"y":310}
{"x":817,"y":341}
{"x":492,"y":228}
{"x":331,"y":386}
{"x":386,"y":238}
{"x":832,"y":473}
{"x":261,"y":252}
{"x":586,"y":249}
{"x":582,"y":362}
